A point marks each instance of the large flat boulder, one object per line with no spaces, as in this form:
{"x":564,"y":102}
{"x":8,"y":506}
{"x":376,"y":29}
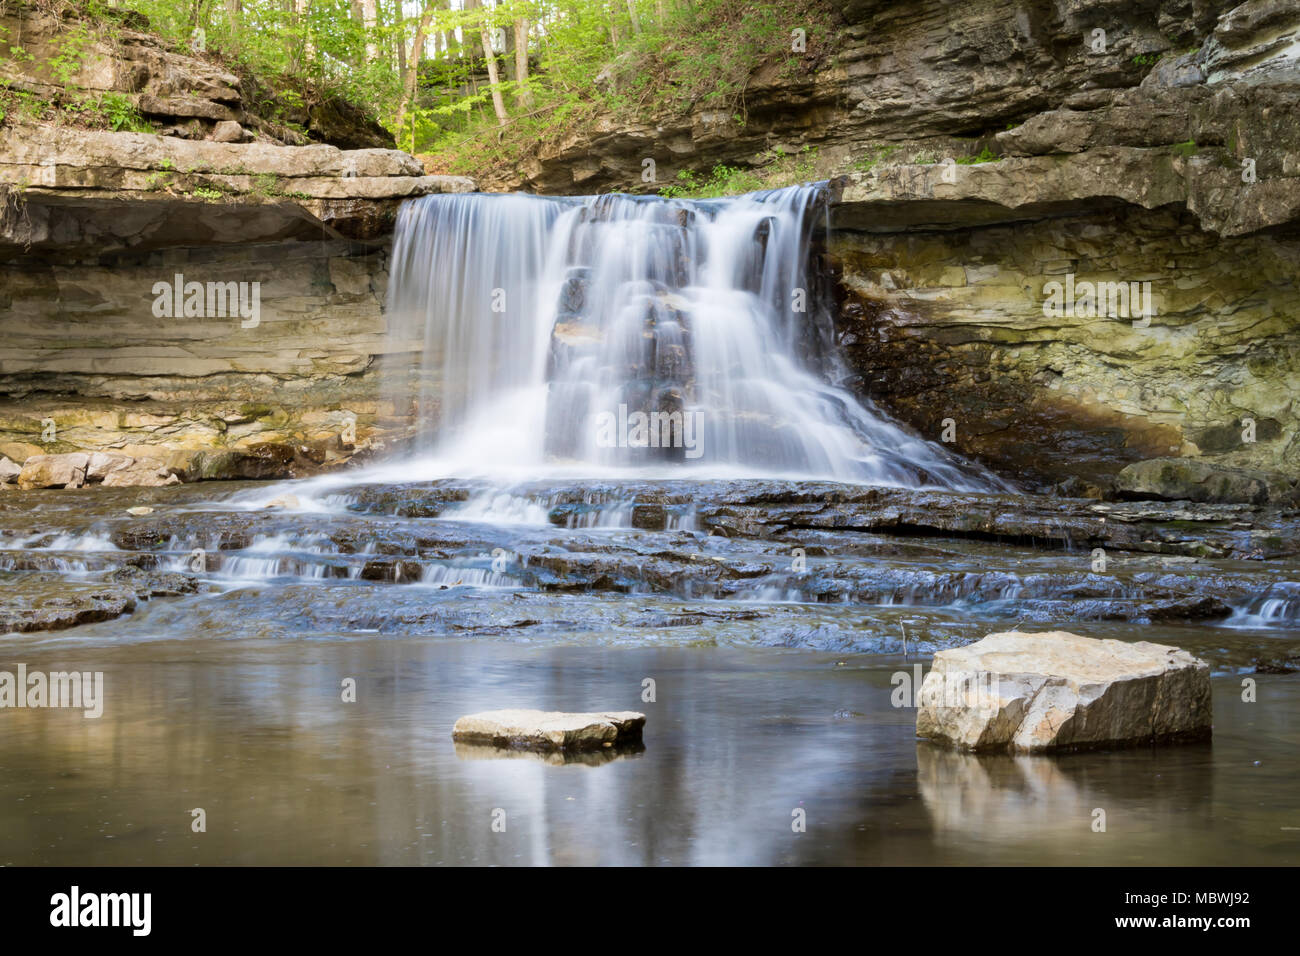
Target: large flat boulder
{"x":54,"y":471}
{"x":76,"y":469}
{"x":550,"y":730}
{"x":1029,"y":693}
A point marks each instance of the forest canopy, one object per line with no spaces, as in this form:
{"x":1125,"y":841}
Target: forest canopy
{"x":473,"y":84}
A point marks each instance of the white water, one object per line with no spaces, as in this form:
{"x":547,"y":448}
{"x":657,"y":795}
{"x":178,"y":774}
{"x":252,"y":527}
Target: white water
{"x":532,"y":320}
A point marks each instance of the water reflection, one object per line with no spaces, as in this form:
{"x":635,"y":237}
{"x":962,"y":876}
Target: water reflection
{"x":256,"y":733}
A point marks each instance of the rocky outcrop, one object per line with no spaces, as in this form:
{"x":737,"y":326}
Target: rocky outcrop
{"x":960,"y":325}
{"x":88,"y":366}
{"x":550,"y":730}
{"x":1181,"y":184}
{"x":271,"y":368}
{"x":63,"y":190}
{"x":68,"y":60}
{"x":77,"y":469}
{"x":1034,"y":693}
{"x":1184,"y":479}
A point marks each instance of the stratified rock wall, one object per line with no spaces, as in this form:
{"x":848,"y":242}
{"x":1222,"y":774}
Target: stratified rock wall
{"x":208,"y":305}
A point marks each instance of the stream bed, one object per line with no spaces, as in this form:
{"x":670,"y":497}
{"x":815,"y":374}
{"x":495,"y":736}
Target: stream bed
{"x":778,"y":621}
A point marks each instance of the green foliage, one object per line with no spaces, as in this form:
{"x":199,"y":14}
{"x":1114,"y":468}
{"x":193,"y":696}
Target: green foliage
{"x":780,"y":169}
{"x":1186,"y":149}
{"x":121,"y":113}
{"x":878,"y":155}
{"x":700,"y":57}
{"x":69,"y":52}
{"x":985,"y":155}
{"x":586,"y":58}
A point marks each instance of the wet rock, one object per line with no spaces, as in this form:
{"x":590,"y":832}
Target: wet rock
{"x":550,"y":730}
{"x":1032,"y":693}
{"x":283,"y":501}
{"x":1187,"y":479}
{"x":152,"y":583}
{"x":44,"y":606}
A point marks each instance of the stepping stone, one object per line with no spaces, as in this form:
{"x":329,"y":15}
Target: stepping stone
{"x":550,"y":730}
{"x":1032,"y":693}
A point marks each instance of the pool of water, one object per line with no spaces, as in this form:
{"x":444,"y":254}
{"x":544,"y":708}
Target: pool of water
{"x":775,"y":687}
{"x":737,"y":740}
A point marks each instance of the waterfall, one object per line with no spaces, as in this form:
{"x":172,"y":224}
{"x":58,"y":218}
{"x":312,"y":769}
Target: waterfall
{"x":634,"y":335}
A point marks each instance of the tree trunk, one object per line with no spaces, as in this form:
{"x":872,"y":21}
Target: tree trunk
{"x":494,"y":78}
{"x":631,"y":12}
{"x":399,"y":41}
{"x":369,"y":20}
{"x":410,"y":81}
{"x":521,"y":63}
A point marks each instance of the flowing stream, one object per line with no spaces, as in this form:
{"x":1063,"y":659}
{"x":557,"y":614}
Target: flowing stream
{"x":773,"y":554}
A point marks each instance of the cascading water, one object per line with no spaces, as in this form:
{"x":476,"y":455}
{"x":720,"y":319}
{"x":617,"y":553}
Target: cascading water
{"x":620,"y":333}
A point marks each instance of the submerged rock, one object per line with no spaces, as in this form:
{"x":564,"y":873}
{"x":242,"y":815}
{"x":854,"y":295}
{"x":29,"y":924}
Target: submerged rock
{"x":550,"y":730}
{"x":1030,"y":693}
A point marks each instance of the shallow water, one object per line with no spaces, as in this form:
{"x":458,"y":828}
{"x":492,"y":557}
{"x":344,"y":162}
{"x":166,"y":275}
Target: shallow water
{"x":257,"y":735}
{"x":773,"y":687}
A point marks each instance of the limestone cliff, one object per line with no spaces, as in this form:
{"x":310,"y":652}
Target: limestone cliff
{"x":93,"y":224}
{"x":989,"y":156}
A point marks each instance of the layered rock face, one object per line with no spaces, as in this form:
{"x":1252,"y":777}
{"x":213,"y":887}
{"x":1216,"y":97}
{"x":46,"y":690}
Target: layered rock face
{"x":1017,"y":281}
{"x":90,"y":365}
{"x":960,"y":326}
{"x":188,"y":96}
{"x":196,"y":308}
